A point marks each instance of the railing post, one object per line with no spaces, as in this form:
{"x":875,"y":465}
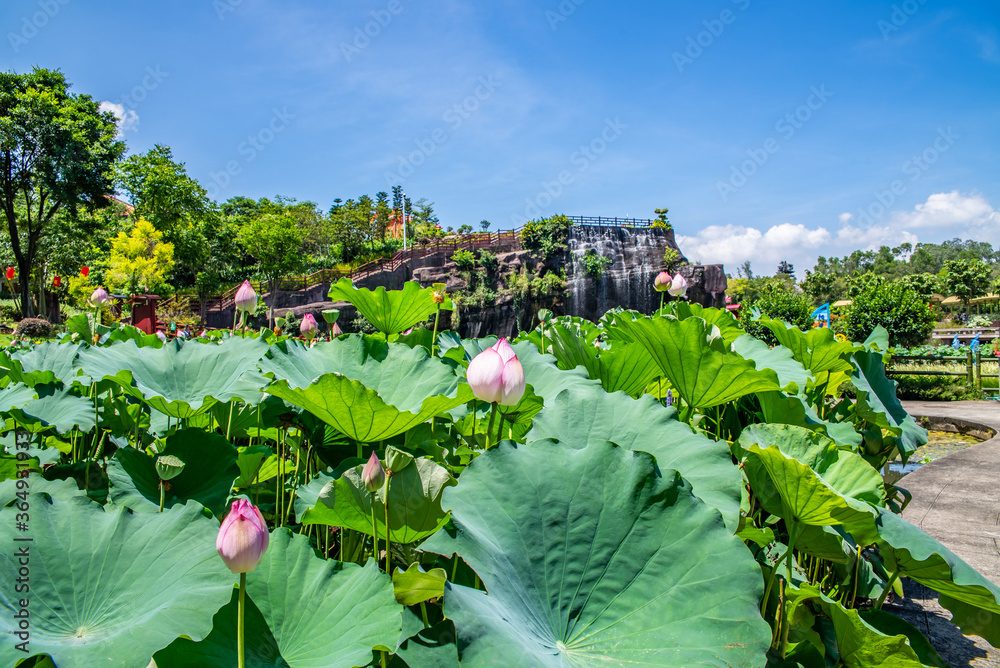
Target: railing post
{"x":979,"y":370}
{"x":968,"y":368}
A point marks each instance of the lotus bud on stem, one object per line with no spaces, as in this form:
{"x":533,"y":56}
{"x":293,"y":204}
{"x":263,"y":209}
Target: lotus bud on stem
{"x":497,"y":377}
{"x":243,"y":538}
{"x":439,"y":296}
{"x":661,"y":284}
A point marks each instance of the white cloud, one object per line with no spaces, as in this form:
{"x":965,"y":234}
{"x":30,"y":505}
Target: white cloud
{"x":128,"y":120}
{"x":943,"y":216}
{"x":950,"y":210}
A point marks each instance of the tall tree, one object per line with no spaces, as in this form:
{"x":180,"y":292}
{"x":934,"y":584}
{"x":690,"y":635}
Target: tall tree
{"x":966,"y":279}
{"x":275,"y":241}
{"x":140,"y":260}
{"x":160,"y":189}
{"x":57,"y":153}
{"x":382,"y":214}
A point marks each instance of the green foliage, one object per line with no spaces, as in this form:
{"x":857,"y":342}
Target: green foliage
{"x":464,"y":260}
{"x":488,"y":261}
{"x":890,"y":304}
{"x":33,"y":328}
{"x":546,"y":236}
{"x":140,"y":261}
{"x":966,"y":279}
{"x":779,"y":300}
{"x":661,"y":219}
{"x":671,"y":260}
{"x":594,"y":264}
{"x":933,"y":388}
{"x":925,"y":285}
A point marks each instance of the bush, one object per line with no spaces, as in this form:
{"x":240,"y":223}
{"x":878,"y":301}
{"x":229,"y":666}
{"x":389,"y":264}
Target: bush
{"x":488,"y":260}
{"x":933,"y":388}
{"x":892,"y":304}
{"x":594,"y":264}
{"x":979,"y":321}
{"x":777,"y":301}
{"x":547,"y":236}
{"x":33,"y":328}
{"x":464,"y":259}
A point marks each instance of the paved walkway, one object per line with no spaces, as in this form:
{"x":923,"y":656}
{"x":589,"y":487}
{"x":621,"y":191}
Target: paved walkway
{"x":956,"y":499}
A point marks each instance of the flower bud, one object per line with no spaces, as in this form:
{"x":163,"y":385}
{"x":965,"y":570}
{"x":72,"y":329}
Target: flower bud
{"x":10,"y":273}
{"x":168,"y":467}
{"x":246,"y":298}
{"x":373,"y":475}
{"x":99,"y":297}
{"x":678,"y":287}
{"x":308,"y":327}
{"x":662,"y":281}
{"x":335,"y":331}
{"x":440,"y":293}
{"x":496,"y":375}
{"x":161,"y":336}
{"x":243,"y":537}
{"x":57,"y":281}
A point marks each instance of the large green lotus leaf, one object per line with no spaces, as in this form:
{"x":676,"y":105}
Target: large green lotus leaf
{"x":431,"y":647}
{"x":846,"y":472}
{"x":647,"y":426}
{"x":16,"y":395}
{"x":307,"y":612}
{"x":61,"y":410}
{"x":49,"y":362}
{"x":183,"y":378}
{"x":696,"y":361}
{"x":402,"y":376}
{"x":544,"y":376}
{"x":111,"y":588}
{"x":594,"y":557}
{"x":390,"y":311}
{"x":414,"y":502}
{"x":208,"y":475}
{"x":359,"y":412}
{"x":891,"y":625}
{"x":783,"y":409}
{"x":817,"y":350}
{"x":778,"y":359}
{"x":808,"y":499}
{"x":972,"y":599}
{"x":625,"y":367}
{"x":858,"y":643}
{"x":878,"y":404}
{"x":729,"y":327}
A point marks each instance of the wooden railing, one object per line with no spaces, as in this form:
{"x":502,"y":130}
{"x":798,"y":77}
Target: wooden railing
{"x":470,"y":242}
{"x":967,"y":333}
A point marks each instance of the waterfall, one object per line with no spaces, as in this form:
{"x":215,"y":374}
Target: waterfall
{"x":636,"y":256}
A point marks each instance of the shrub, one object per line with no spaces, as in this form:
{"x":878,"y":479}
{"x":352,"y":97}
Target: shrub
{"x":776,"y":300}
{"x":933,"y":388}
{"x":892,"y":304}
{"x":33,"y":328}
{"x":488,"y":260}
{"x":546,"y":236}
{"x":980,"y":321}
{"x":464,"y":259}
{"x":594,"y":264}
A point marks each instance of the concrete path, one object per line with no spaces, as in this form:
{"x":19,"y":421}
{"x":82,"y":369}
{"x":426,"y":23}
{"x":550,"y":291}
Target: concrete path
{"x":956,"y":499}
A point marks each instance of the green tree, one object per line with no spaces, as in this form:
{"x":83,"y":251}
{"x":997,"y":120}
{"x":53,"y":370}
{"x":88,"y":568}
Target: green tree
{"x":966,"y":279}
{"x":891,"y":304}
{"x":57,"y":153}
{"x":778,"y":298}
{"x":382,"y":214}
{"x":161,"y":191}
{"x":423,"y":216}
{"x":140,"y":260}
{"x":925,"y":285}
{"x":484,"y":225}
{"x":275,"y":241}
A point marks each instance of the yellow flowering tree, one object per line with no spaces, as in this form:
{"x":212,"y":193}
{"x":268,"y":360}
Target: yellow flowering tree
{"x":140,"y":260}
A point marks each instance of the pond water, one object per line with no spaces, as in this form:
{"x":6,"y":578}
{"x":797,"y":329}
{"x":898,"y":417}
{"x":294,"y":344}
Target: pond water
{"x":939,"y":444}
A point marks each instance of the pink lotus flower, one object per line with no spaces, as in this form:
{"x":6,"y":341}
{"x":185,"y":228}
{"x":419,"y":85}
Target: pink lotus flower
{"x":243,"y":537}
{"x":496,"y":375}
{"x":99,"y":297}
{"x":335,"y":330}
{"x":246,"y":298}
{"x":373,"y":475}
{"x":678,"y":287}
{"x":662,"y":281}
{"x":308,"y":327}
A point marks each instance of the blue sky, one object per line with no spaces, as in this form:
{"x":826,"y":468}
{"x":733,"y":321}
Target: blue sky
{"x":779,"y":130}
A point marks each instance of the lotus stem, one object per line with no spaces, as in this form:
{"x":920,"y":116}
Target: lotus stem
{"x":662,"y":295}
{"x":785,"y":625}
{"x":885,"y":592}
{"x":382,"y":655}
{"x":770,"y":581}
{"x":388,"y":479}
{"x":240,"y":645}
{"x":423,"y":613}
{"x":163,"y":495}
{"x":374,"y":537}
{"x":437,"y":315}
{"x":489,"y":428}
{"x":857,"y":569}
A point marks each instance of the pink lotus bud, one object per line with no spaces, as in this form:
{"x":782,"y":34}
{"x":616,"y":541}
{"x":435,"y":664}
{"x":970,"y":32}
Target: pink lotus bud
{"x":161,"y":336}
{"x":99,"y":297}
{"x":246,"y":298}
{"x":496,"y":375}
{"x":308,"y":327}
{"x":373,"y":475}
{"x":335,"y":330}
{"x":662,"y":281}
{"x":678,"y":287}
{"x":243,"y":537}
